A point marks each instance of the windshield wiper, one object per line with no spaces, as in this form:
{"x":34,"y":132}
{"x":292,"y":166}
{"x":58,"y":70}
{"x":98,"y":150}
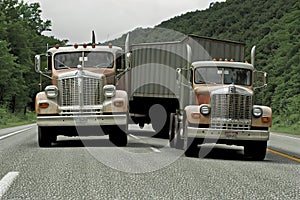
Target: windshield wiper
{"x":62,"y":65}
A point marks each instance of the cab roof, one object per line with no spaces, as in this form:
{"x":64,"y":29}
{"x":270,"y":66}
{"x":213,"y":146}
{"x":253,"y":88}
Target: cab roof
{"x":223,"y":64}
{"x":80,"y":48}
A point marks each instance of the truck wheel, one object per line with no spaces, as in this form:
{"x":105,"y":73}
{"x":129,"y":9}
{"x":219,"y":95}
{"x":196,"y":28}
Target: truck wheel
{"x":192,"y":148}
{"x":44,"y":139}
{"x":172,"y":131}
{"x":190,"y":145}
{"x":161,"y":132}
{"x":160,"y":121}
{"x":178,"y":142}
{"x":256,"y":150}
{"x":118,"y":135}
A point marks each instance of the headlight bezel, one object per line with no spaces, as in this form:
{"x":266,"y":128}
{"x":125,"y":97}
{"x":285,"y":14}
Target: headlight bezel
{"x":109,"y":91}
{"x":51,"y":91}
{"x":205,"y":110}
{"x":257,"y":112}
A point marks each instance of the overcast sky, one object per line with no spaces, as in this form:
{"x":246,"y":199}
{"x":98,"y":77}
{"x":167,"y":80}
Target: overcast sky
{"x":75,"y":19}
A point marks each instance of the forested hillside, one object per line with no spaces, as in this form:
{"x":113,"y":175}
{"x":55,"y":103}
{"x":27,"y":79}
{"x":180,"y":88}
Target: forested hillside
{"x":21,"y":27}
{"x":272,"y":25}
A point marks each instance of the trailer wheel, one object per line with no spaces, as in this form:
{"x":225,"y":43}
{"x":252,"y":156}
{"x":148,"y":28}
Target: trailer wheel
{"x":161,"y":132}
{"x":118,"y":135}
{"x":44,"y":137}
{"x":160,"y":120}
{"x":256,"y":150}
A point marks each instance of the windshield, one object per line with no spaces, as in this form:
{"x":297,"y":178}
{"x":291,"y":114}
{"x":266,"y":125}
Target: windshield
{"x":222,"y":75}
{"x":86,"y":59}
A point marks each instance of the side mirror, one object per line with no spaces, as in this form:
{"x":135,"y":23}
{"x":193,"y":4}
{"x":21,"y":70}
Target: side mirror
{"x":189,"y":54}
{"x":127,"y":52}
{"x":37,"y":64}
{"x":128,"y":60}
{"x":260,"y":79}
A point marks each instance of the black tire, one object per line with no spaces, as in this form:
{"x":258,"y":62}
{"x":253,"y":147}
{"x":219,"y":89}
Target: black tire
{"x":44,"y":137}
{"x":256,"y":150}
{"x":118,"y":135}
{"x":179,"y":142}
{"x":192,"y":148}
{"x":172,"y":131}
{"x":164,"y":131}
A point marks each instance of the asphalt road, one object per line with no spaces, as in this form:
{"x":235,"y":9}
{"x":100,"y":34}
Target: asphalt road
{"x":146,"y":169}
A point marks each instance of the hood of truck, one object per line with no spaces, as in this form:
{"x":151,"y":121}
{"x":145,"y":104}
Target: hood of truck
{"x":203,"y":92}
{"x":92,"y":72}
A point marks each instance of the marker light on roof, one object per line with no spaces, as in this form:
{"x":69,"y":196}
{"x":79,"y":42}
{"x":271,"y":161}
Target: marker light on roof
{"x":84,"y":45}
{"x":75,"y":45}
{"x":110,"y":45}
{"x":57,"y":46}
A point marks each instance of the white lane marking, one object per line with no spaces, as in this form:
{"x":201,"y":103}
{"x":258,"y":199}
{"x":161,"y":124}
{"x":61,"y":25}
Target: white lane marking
{"x":156,"y":150}
{"x":135,"y":137}
{"x":286,"y":136}
{"x":6,"y":182}
{"x":14,"y":133}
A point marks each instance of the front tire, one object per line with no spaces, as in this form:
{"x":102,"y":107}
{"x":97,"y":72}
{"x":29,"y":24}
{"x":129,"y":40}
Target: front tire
{"x":44,"y":137}
{"x":192,"y":148}
{"x":256,"y":150}
{"x":118,"y":135}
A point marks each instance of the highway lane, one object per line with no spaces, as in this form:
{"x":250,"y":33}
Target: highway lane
{"x":285,"y":143}
{"x":146,"y":169}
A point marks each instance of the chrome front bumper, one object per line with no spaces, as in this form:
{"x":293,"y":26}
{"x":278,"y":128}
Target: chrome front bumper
{"x":82,"y":120}
{"x":226,"y":134}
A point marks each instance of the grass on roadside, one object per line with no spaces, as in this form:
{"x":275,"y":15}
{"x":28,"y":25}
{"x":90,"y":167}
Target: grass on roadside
{"x":293,"y":129}
{"x":11,"y":120}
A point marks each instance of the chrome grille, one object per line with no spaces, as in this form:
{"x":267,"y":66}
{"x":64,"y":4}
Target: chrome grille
{"x":81,"y":91}
{"x":231,"y":111}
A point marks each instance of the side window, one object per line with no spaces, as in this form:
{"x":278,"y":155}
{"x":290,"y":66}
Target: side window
{"x":120,"y":61}
{"x":191,"y":75}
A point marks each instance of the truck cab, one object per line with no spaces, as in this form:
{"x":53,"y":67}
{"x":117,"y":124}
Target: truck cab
{"x":224,"y":111}
{"x":82,"y":99}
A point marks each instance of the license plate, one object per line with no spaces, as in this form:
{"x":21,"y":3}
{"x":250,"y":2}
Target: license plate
{"x":231,"y":134}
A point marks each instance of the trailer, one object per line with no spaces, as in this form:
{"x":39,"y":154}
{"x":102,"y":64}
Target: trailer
{"x":158,"y":78}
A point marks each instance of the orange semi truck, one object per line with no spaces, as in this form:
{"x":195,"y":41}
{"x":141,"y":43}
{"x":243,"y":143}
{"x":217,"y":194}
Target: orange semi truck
{"x":224,"y":110}
{"x":82,"y":99}
{"x":192,"y":99}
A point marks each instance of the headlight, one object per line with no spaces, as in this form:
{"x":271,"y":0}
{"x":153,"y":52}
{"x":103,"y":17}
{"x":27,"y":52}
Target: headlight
{"x":51,"y":91}
{"x":257,"y":112}
{"x":205,"y":110}
{"x":109,"y":91}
